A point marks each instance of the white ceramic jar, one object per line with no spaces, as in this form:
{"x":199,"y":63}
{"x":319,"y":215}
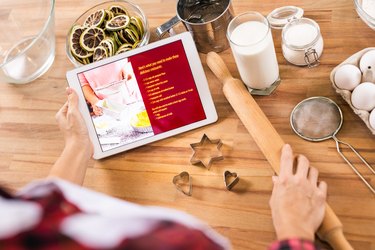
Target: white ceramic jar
{"x":302,"y":42}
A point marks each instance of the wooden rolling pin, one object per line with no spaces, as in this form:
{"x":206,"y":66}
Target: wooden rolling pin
{"x":268,"y":140}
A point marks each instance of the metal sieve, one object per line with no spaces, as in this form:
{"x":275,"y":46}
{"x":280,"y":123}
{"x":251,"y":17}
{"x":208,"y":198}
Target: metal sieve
{"x":318,"y":119}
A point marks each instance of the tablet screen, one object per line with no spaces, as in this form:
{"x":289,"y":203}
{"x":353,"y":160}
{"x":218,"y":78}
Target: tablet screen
{"x":146,"y":94}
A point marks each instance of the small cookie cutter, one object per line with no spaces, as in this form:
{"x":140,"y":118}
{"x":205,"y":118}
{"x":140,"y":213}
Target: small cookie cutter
{"x":196,"y":159}
{"x":227,"y":176}
{"x":182,"y":179}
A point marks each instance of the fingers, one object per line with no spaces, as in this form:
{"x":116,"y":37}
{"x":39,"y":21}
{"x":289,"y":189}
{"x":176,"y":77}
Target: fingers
{"x":302,"y":166}
{"x":68,"y":90}
{"x":274,"y":179}
{"x":97,"y":110}
{"x":62,"y":111}
{"x":286,"y":164}
{"x":323,"y":188}
{"x":72,"y":102}
{"x":313,"y":175}
{"x":303,"y":169}
{"x":72,"y":98}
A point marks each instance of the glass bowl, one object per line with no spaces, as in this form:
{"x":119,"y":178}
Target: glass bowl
{"x":362,"y":7}
{"x":27,"y":39}
{"x":132,"y":11}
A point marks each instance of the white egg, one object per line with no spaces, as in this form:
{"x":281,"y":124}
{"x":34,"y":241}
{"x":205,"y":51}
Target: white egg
{"x":363,"y":96}
{"x":347,"y":76}
{"x":372,"y":119}
{"x":367,"y":63}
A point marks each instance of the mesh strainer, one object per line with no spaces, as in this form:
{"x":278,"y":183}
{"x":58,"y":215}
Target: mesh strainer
{"x":319,"y":118}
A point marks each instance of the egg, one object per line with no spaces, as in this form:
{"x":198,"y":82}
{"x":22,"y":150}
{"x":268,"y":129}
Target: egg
{"x":347,"y":76}
{"x":367,"y":65}
{"x":363,"y":96}
{"x":372,"y":119}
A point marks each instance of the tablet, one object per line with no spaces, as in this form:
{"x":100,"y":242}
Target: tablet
{"x":143,"y":95}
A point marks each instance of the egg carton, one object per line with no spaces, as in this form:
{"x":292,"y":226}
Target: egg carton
{"x":346,"y":94}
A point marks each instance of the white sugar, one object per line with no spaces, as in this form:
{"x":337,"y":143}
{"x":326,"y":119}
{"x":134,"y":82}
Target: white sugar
{"x":301,"y":34}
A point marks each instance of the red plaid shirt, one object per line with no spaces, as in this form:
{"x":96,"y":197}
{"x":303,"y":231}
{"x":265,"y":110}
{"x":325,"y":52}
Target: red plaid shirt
{"x":53,"y":210}
{"x":60,"y":215}
{"x":293,"y":244}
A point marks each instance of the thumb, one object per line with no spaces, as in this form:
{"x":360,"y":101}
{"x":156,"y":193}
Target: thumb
{"x":275,"y":179}
{"x":72,"y":98}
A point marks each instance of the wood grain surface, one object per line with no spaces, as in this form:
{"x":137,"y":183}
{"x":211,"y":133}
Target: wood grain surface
{"x":30,"y":141}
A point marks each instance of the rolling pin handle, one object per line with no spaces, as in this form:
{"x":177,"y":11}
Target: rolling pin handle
{"x":218,"y":67}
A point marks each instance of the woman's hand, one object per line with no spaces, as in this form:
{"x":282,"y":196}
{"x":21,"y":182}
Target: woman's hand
{"x":97,"y":110}
{"x":73,"y":161}
{"x":71,"y":122}
{"x":297,"y":201}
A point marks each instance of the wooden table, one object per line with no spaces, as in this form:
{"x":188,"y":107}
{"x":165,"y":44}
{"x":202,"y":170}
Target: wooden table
{"x":30,"y":140}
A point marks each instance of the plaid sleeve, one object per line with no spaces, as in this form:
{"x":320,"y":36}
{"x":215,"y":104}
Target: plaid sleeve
{"x":59,"y":223}
{"x":293,"y":244}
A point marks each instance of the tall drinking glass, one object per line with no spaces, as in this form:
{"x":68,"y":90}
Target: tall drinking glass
{"x":252,"y":46}
{"x":27,"y":39}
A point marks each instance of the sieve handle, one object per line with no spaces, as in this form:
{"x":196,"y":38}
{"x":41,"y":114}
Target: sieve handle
{"x":165,"y":27}
{"x":351,"y":165}
{"x":268,"y":140}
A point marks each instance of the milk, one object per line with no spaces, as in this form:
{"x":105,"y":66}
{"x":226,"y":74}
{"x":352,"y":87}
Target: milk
{"x":254,"y":53}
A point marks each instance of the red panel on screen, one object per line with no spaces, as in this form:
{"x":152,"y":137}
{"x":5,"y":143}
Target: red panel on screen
{"x":167,"y":87}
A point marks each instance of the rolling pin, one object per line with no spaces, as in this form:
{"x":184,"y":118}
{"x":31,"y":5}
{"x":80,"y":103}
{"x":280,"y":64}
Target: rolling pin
{"x":269,"y":141}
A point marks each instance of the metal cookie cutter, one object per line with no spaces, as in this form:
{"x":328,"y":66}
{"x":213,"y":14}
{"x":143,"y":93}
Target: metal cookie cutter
{"x":183,"y":182}
{"x":206,"y":151}
{"x":228,"y":176}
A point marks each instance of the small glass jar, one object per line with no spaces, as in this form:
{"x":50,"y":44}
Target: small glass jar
{"x":302,"y":42}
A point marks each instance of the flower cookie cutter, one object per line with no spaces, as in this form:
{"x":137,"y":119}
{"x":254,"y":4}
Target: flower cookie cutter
{"x":206,"y":151}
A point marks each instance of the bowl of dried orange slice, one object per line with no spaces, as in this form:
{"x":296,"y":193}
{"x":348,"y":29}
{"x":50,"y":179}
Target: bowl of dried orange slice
{"x":105,"y":30}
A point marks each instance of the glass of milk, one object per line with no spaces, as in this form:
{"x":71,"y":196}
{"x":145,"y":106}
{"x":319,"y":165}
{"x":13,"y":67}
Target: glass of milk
{"x":250,"y":39}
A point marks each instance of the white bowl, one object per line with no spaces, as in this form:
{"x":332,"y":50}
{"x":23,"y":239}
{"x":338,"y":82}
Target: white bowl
{"x":368,"y":18}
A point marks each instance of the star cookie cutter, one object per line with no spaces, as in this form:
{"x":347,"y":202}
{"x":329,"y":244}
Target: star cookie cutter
{"x":206,"y":151}
{"x":230,"y":179}
{"x":183,"y":183}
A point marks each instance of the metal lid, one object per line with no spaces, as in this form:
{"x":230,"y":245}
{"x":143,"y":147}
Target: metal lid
{"x":279,"y":17}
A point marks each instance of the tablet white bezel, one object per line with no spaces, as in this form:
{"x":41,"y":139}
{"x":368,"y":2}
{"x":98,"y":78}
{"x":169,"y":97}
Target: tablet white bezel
{"x":200,"y":83}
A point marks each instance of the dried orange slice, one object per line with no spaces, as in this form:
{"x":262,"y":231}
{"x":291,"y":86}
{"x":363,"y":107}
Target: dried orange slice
{"x":74,"y":41}
{"x":122,"y":36}
{"x":108,"y":15}
{"x":95,"y":19}
{"x":118,"y":23}
{"x":109,"y":45}
{"x":118,"y":10}
{"x":91,"y":38}
{"x":99,"y":53}
{"x":131,"y":35}
{"x":137,"y":22}
{"x":123,"y":48}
